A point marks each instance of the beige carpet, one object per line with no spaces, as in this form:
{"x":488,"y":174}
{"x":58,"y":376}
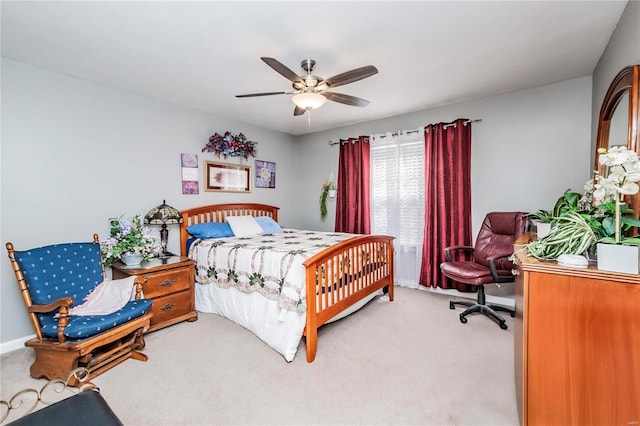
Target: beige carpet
{"x":409,"y":362}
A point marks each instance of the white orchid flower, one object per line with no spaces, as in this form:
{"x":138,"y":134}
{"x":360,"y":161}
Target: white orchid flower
{"x":628,"y":188}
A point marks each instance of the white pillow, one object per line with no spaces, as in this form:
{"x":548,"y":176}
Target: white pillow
{"x":244,"y":226}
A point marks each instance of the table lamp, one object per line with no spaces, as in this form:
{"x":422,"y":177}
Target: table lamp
{"x":163,"y":215}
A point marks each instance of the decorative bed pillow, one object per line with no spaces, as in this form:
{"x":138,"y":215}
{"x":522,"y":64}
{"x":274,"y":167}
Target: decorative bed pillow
{"x":268,"y":225}
{"x":244,"y":226}
{"x":210,"y":230}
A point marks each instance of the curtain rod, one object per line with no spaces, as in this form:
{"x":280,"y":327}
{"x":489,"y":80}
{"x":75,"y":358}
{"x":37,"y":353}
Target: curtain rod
{"x":452,"y":124}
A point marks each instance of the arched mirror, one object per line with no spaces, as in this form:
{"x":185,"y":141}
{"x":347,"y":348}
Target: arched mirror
{"x":620,"y":117}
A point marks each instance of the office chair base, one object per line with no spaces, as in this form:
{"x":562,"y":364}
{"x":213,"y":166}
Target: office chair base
{"x":488,"y":310}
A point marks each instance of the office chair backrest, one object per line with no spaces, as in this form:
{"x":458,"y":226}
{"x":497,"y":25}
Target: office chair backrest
{"x":496,"y":237}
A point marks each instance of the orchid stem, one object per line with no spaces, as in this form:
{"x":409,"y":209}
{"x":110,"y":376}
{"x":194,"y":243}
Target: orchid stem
{"x":618,"y":202}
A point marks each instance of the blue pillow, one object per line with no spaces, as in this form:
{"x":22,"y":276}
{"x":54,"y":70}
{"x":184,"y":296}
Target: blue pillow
{"x":268,"y":225}
{"x":210,"y":230}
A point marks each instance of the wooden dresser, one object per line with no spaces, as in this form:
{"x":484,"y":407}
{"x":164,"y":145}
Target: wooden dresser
{"x":170,"y":285}
{"x":577,"y":344}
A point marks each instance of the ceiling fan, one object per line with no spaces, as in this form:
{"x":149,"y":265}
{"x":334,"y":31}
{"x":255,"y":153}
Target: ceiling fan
{"x":310,"y":92}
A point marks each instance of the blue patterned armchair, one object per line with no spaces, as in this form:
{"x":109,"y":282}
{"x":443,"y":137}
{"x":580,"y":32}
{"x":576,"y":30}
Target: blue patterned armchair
{"x":55,"y":278}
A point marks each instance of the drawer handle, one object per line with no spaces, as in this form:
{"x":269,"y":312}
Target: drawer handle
{"x":168,"y":307}
{"x":167,"y":283}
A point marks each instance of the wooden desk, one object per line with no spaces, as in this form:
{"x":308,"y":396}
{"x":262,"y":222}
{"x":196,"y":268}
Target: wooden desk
{"x":577,"y":344}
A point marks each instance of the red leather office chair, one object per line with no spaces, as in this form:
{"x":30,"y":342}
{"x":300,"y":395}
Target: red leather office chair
{"x":489,"y":262}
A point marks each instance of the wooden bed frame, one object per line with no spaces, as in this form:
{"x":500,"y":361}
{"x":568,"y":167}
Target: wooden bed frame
{"x":361,"y":273}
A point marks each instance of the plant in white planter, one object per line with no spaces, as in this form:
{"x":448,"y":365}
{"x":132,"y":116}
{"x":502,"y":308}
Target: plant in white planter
{"x":599,"y":216}
{"x":615,"y":251}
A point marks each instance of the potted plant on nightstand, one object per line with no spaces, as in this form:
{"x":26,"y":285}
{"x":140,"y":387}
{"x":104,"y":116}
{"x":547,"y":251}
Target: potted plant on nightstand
{"x":130,"y":242}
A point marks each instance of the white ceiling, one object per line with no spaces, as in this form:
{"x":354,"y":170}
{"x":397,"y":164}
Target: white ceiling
{"x":201,"y":54}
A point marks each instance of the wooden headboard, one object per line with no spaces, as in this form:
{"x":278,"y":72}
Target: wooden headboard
{"x":219,"y":213}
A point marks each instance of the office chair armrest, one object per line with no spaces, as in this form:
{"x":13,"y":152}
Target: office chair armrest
{"x":449,"y":250}
{"x":494,"y":271}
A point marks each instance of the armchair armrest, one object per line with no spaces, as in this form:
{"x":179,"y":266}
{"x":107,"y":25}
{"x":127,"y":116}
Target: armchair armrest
{"x":138,"y":283}
{"x":63,"y":304}
{"x":449,"y":250}
{"x":50,"y":307}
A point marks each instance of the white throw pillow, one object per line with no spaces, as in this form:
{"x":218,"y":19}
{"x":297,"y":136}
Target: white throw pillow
{"x":244,"y":226}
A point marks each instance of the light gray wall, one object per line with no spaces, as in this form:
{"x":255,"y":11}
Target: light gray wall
{"x":530,"y":147}
{"x":622,"y":50}
{"x":75,"y":153}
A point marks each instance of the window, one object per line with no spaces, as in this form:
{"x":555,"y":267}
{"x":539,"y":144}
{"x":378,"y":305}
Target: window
{"x":397,"y":198}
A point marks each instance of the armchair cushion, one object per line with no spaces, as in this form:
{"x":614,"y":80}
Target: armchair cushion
{"x":81,"y":327}
{"x":71,"y":270}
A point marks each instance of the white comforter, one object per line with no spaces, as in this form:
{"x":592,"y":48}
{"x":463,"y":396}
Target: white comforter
{"x":259,"y":282}
{"x":268,"y":264}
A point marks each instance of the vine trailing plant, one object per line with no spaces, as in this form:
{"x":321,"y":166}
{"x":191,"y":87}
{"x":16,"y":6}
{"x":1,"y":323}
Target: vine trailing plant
{"x":329,"y":185}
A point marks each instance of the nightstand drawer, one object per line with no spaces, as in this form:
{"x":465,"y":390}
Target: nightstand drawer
{"x":164,"y":283}
{"x":168,"y":307}
{"x":169,"y":283}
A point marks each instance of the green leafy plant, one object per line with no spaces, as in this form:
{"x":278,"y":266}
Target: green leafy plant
{"x":323,"y":201}
{"x":328,"y":185}
{"x":578,"y":222}
{"x":568,"y":202}
{"x":570,"y":233}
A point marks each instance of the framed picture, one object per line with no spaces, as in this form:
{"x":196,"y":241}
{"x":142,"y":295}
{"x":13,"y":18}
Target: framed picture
{"x":227,"y":177}
{"x":265,"y":174}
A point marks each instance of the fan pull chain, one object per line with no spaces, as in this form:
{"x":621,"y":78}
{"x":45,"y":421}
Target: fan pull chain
{"x":309,"y":120}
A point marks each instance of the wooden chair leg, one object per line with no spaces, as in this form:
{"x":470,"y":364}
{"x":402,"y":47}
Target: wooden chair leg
{"x":53,"y":364}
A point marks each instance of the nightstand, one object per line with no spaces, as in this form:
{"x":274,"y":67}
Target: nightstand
{"x":169,"y":283}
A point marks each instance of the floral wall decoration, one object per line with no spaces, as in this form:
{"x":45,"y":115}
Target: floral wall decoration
{"x":230,"y":145}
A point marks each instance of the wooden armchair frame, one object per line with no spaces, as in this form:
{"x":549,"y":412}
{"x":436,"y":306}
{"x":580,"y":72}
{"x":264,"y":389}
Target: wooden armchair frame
{"x":97,"y":354}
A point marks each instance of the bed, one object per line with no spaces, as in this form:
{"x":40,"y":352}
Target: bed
{"x":320,"y":280}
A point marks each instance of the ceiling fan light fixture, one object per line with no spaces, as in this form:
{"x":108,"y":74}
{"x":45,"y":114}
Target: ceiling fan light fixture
{"x":308,"y":100}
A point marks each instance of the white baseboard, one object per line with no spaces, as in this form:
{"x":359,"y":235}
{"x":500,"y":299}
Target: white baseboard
{"x":12,"y":345}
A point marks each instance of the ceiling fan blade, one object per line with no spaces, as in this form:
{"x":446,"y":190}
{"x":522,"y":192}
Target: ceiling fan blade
{"x":250,"y":95}
{"x":298,"y":111}
{"x":351,"y":76}
{"x":345,"y":99}
{"x":282,"y":69}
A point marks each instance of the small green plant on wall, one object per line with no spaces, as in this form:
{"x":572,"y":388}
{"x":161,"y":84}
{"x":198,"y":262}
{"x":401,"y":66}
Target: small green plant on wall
{"x":328,"y":191}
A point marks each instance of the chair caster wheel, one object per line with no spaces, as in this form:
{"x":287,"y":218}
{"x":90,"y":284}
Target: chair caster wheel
{"x":451,"y":305}
{"x":503,"y":326}
{"x":463,"y":319}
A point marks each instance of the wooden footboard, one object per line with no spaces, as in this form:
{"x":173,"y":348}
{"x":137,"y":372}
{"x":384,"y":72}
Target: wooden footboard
{"x":342,"y":275}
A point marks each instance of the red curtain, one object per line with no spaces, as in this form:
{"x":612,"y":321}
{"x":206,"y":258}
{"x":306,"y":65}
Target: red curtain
{"x":447,"y":198}
{"x":352,"y":204}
